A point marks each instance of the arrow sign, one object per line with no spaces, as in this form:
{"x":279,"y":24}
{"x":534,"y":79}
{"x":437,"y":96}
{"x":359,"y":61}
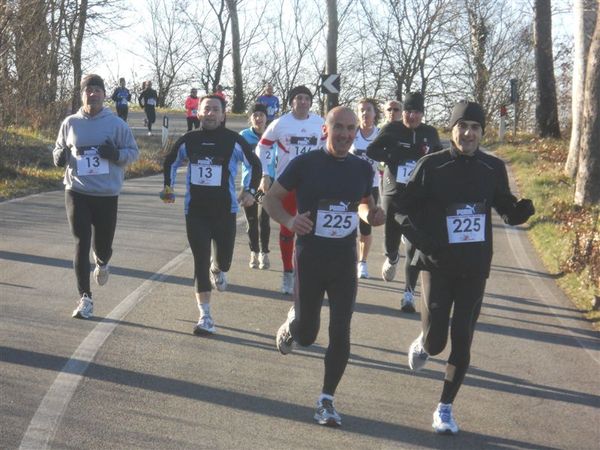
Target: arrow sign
{"x":330,"y":84}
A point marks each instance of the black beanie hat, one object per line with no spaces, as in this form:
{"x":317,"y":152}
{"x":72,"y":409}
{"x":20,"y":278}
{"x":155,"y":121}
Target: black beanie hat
{"x":258,"y":107}
{"x":299,"y":90}
{"x":465,"y":110}
{"x":414,"y":102}
{"x":92,"y":80}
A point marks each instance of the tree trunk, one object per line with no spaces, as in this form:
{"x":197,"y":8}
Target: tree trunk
{"x":587,"y":185}
{"x":80,"y":18}
{"x":332,"y":39}
{"x":546,"y":111}
{"x":584,"y":13}
{"x":238,"y":103}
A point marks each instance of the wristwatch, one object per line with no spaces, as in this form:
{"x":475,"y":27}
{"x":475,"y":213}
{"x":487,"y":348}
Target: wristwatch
{"x":251,"y":191}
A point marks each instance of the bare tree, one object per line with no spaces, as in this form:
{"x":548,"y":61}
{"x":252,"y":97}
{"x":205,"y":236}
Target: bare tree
{"x":546,"y":112}
{"x":587,"y":186}
{"x":332,"y":42}
{"x":584,"y":14}
{"x":238,"y":103}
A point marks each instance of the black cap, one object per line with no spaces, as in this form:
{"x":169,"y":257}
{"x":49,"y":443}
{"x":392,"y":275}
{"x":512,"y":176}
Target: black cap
{"x":414,"y":102}
{"x":258,"y":107}
{"x":465,"y":110}
{"x":92,"y":80}
{"x":299,"y":90}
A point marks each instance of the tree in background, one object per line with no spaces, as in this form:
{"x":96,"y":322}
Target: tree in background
{"x":587,"y":185}
{"x":584,"y":15}
{"x":546,"y":112}
{"x":238,"y":104}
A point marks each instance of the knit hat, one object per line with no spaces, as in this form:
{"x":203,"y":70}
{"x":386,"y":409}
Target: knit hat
{"x":465,"y":110}
{"x":414,"y":102}
{"x":258,"y":107}
{"x":299,"y":90}
{"x":92,"y":80}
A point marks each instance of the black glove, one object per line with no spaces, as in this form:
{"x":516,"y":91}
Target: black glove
{"x":107,"y":151}
{"x":525,"y":208}
{"x":60,"y":158}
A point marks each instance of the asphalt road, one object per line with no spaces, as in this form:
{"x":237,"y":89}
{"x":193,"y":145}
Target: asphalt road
{"x":136,"y":377}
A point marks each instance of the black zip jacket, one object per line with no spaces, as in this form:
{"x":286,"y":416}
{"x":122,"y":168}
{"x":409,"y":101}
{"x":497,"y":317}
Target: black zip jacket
{"x":449,"y":193}
{"x":396,"y":144}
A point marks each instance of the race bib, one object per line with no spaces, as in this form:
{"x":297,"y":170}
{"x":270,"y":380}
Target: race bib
{"x":405,"y":171}
{"x":151,"y":102}
{"x":206,"y":173}
{"x":465,"y":223}
{"x":90,"y":163}
{"x":268,"y":155}
{"x":123,"y":102}
{"x":300,"y":145}
{"x":336,"y":219}
{"x":194,"y":112}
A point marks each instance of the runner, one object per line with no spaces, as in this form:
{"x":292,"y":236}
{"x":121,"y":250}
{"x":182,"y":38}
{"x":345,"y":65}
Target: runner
{"x":212,"y":153}
{"x":399,"y":146}
{"x":259,"y":250}
{"x":332,"y":188}
{"x":191,"y":110}
{"x":290,"y":135}
{"x":368,"y":116}
{"x":121,"y":96}
{"x":94,"y":146}
{"x":445,"y":211}
{"x":393,"y":111}
{"x":270,"y":101}
{"x":148,"y":100}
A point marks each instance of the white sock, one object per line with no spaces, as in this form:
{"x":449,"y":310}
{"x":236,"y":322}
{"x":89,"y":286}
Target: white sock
{"x":204,"y":309}
{"x":325,"y":397}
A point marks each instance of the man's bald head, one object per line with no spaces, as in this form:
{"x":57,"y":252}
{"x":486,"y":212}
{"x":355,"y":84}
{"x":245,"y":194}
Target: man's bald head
{"x":340,"y":128}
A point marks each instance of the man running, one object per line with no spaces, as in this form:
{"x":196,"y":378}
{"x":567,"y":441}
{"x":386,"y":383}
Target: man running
{"x":212,"y":153}
{"x":191,"y":110}
{"x":332,"y":188}
{"x":271,"y":101}
{"x":292,"y":134}
{"x":393,"y":111}
{"x":445,"y":211}
{"x":399,"y":146}
{"x":94,"y":146}
{"x":121,"y":96}
{"x":148,"y":100}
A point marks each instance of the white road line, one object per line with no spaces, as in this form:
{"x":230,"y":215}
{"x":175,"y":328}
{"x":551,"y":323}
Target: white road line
{"x":544,"y":292}
{"x":46,"y":419}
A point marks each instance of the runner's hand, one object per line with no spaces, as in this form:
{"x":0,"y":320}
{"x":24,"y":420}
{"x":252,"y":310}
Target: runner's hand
{"x":246,"y":199}
{"x":376,"y":216}
{"x":108,"y":151}
{"x":167,"y":195}
{"x":300,"y":224}
{"x":265,"y":183}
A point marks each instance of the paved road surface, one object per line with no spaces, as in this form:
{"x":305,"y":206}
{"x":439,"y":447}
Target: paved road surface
{"x":135,"y":376}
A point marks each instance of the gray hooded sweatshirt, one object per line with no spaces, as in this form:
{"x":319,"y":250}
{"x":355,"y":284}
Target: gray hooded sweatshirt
{"x":85,"y":171}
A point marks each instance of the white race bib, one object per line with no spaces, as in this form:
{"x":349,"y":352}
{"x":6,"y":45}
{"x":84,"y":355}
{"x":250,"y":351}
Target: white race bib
{"x":268,"y":155}
{"x":194,"y":112}
{"x":205,"y":173}
{"x":302,"y":144}
{"x":90,"y":163}
{"x":405,"y":171}
{"x":336,"y":219}
{"x":466,"y":223}
{"x":151,"y":102}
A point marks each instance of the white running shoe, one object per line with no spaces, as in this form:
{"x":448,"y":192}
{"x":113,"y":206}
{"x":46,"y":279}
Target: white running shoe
{"x":206,"y":325}
{"x":263,"y":261}
{"x":388,"y":270}
{"x":284,"y":340}
{"x":408,"y":302}
{"x":326,"y":414}
{"x":443,"y":420}
{"x":361,"y":270}
{"x":253,"y":264}
{"x":287,"y":283}
{"x":101,"y":274}
{"x":85,"y":308}
{"x":149,"y":133}
{"x":218,"y":280}
{"x":417,"y":356}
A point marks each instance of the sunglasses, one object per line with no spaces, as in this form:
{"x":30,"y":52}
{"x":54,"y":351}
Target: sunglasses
{"x":393,"y":109}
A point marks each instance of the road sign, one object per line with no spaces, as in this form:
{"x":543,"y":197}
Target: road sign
{"x":330,"y":84}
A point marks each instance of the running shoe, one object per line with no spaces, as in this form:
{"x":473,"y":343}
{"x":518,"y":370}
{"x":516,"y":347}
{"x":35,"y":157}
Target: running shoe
{"x":408,"y":302}
{"x":443,"y":420}
{"x":263,"y":261}
{"x":205,"y":326}
{"x":417,"y":356}
{"x":85,"y":308}
{"x":287,"y":283}
{"x":149,"y":133}
{"x":218,"y":280}
{"x":284,"y":340}
{"x":361,"y":270}
{"x":326,"y":414}
{"x":101,"y":274}
{"x":388,"y":270}
{"x":253,"y":264}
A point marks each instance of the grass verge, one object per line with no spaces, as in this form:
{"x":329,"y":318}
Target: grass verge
{"x":566,"y":237}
